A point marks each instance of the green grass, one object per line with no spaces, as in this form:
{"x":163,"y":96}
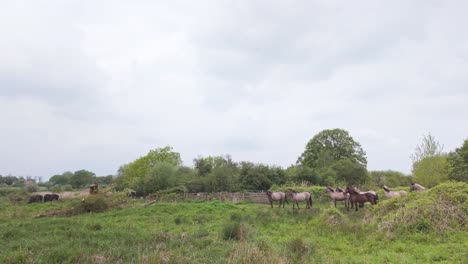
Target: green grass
{"x":197,"y":232}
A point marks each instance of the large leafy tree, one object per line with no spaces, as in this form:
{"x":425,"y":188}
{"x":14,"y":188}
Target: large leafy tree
{"x":350,"y":172}
{"x":429,"y":162}
{"x":458,"y":163}
{"x":81,"y":178}
{"x":430,"y":171}
{"x":133,"y":174}
{"x":330,"y":146}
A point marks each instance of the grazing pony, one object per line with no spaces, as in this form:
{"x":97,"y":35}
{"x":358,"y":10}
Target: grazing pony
{"x":51,"y":197}
{"x":277,"y":196}
{"x":416,"y":187}
{"x":35,"y":198}
{"x":300,"y":197}
{"x":389,"y":193}
{"x":355,"y":197}
{"x":338,"y":195}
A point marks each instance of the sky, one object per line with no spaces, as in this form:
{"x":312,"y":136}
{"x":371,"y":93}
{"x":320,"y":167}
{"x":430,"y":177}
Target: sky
{"x":96,"y":84}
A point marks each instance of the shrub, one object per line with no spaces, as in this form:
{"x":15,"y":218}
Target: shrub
{"x":31,"y":188}
{"x":441,"y":208}
{"x":235,"y":231}
{"x":298,"y":246}
{"x":67,"y":188}
{"x":332,"y":217}
{"x":94,"y":204}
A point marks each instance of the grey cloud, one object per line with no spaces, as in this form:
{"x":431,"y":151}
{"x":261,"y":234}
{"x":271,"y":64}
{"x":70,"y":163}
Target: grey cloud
{"x":252,"y":79}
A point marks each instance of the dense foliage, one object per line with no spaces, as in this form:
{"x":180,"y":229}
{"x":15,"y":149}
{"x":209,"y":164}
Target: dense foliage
{"x":331,"y":157}
{"x":330,"y":146}
{"x":78,"y":179}
{"x":458,"y":163}
{"x":429,"y":162}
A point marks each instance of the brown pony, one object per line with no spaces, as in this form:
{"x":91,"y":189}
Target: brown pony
{"x":355,"y":197}
{"x":276,"y":196}
{"x":300,"y":197}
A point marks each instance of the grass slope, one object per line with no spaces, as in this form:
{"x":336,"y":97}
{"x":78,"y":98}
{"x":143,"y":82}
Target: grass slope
{"x":215,"y":232}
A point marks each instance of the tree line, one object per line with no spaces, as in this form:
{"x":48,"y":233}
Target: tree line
{"x":331,"y":157}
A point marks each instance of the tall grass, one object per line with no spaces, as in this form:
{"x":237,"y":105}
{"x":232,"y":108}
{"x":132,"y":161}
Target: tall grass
{"x":125,"y":231}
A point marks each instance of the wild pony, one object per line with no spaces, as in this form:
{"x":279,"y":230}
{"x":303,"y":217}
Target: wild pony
{"x":355,"y":197}
{"x":35,"y":198}
{"x":277,"y":196}
{"x":389,"y":193}
{"x":300,"y":197}
{"x":416,"y":187}
{"x":49,"y":197}
{"x":338,"y":195}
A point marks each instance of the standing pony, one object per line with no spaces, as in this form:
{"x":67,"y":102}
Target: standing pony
{"x":276,"y":196}
{"x":338,"y":195}
{"x":300,"y":197}
{"x":389,"y":193}
{"x":416,"y":187}
{"x":356,"y":197}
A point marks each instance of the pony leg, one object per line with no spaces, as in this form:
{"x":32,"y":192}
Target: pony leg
{"x":356,"y":206}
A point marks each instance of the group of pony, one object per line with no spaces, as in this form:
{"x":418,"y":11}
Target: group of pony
{"x":351,"y":196}
{"x":49,"y":197}
{"x":296,"y":197}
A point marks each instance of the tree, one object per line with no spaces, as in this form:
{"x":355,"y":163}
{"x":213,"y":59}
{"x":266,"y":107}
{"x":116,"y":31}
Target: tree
{"x":458,"y":163}
{"x":429,"y":162}
{"x":429,"y":147}
{"x":81,"y":178}
{"x":132,"y":175}
{"x":330,"y":146}
{"x":260,"y":176}
{"x":350,"y":172}
{"x":431,"y":171}
{"x":390,"y":178}
{"x":61,"y":179}
{"x":160,"y":177}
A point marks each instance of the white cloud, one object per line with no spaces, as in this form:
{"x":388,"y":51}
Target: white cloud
{"x":98,"y":83}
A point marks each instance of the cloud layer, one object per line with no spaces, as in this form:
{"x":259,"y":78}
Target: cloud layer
{"x":95,"y":84}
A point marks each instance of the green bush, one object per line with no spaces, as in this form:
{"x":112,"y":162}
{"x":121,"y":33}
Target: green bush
{"x":298,"y":246}
{"x":333,"y":216}
{"x":234,"y":231}
{"x":31,"y":188}
{"x":441,"y":208}
{"x":94,"y":204}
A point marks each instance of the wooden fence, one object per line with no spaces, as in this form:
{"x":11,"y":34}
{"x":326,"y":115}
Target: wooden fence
{"x":235,"y":197}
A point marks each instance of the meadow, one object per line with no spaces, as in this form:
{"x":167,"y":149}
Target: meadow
{"x":423,"y":227}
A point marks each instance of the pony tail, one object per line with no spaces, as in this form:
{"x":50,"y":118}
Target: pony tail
{"x":310,"y":200}
{"x":286,"y":198}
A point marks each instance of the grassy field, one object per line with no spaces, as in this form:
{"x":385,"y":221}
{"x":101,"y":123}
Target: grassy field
{"x":216,"y":232}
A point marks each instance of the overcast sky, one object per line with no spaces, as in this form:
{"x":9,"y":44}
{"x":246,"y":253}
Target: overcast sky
{"x":96,"y":84}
